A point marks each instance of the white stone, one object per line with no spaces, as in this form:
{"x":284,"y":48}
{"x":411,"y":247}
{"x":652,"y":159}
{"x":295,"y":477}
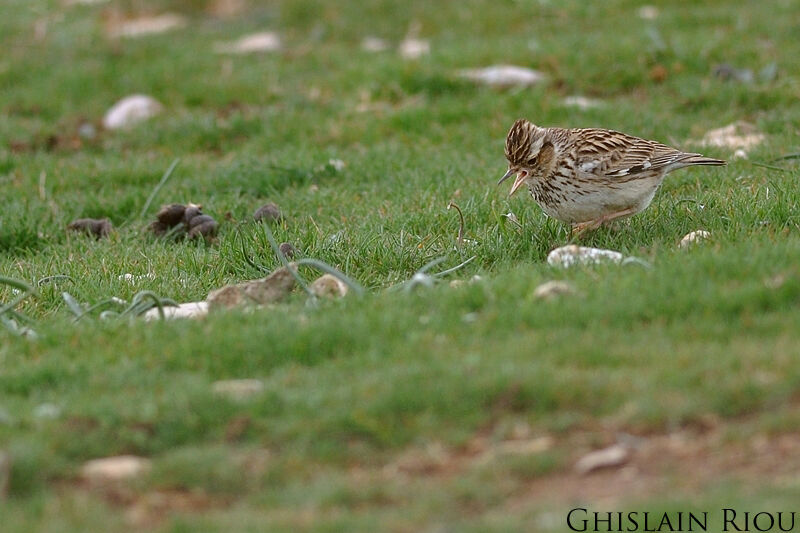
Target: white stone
{"x":133,"y":278}
{"x":116,"y":468}
{"x":503,"y":76}
{"x":238,"y":389}
{"x":572,"y":254}
{"x":266,"y":41}
{"x":329,"y":286}
{"x":186,"y":310}
{"x":147,"y":25}
{"x":525,"y":446}
{"x":694,"y":238}
{"x":648,"y":12}
{"x":413,"y":48}
{"x":337,"y":164}
{"x":47,"y":411}
{"x":739,"y":135}
{"x":616,"y":455}
{"x":374,"y":44}
{"x":581,"y":102}
{"x":131,"y":110}
{"x":552,"y":289}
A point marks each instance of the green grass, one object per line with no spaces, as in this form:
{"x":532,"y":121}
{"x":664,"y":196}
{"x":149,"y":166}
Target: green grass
{"x":705,"y":341}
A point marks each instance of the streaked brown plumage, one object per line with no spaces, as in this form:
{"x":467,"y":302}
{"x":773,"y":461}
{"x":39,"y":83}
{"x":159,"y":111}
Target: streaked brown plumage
{"x":590,"y":176}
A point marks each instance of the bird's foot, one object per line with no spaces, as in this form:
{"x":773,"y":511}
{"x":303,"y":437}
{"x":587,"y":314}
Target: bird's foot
{"x":579,"y":228}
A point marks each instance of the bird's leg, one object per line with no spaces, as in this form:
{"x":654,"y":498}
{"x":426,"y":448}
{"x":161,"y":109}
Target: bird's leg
{"x":580,"y":228}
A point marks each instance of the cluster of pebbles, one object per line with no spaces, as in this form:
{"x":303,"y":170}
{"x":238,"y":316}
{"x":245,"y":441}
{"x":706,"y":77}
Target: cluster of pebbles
{"x":181,"y":220}
{"x":188,"y":219}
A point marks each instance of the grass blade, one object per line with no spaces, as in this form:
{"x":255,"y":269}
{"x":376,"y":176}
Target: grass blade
{"x":73,"y":304}
{"x":157,"y":188}
{"x":18,"y":284}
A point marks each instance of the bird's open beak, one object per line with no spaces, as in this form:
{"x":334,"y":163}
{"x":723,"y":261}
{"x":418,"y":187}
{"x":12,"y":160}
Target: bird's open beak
{"x":518,"y":181}
{"x":506,"y":176}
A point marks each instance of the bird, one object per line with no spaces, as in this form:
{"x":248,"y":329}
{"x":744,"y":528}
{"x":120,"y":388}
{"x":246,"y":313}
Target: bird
{"x":590,"y":176}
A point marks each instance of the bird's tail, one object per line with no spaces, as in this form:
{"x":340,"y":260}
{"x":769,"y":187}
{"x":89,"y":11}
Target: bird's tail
{"x":698,"y":159}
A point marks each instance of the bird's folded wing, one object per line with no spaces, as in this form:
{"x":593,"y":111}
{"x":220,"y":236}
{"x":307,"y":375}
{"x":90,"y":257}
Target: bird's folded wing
{"x":612,"y":154}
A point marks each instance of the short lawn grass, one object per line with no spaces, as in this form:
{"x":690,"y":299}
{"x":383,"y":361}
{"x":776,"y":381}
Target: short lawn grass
{"x":434,"y":409}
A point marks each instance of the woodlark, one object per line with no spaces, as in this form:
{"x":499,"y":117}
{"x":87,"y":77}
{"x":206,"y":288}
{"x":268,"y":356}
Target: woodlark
{"x":590,"y":176}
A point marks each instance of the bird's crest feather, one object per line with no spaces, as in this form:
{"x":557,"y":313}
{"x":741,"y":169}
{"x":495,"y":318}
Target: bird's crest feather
{"x":519,"y":142}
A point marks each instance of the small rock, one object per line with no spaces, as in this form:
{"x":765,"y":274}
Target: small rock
{"x":287,"y":250}
{"x":693,"y":238}
{"x":469,"y":318}
{"x":374,"y":44}
{"x":328,"y":286}
{"x":118,"y":468}
{"x":5,"y":473}
{"x":134,"y":279}
{"x":769,"y":72}
{"x":740,"y":154}
{"x":616,"y":455}
{"x":581,"y":102}
{"x":268,"y":213}
{"x":336,"y":164}
{"x":191,"y":211}
{"x":727,"y":72}
{"x":413,"y":48}
{"x":525,"y":446}
{"x":226,"y":297}
{"x":737,"y":135}
{"x":147,"y":25}
{"x":202,"y":226}
{"x":456,"y":283}
{"x":572,"y":254}
{"x":551,"y":289}
{"x":185,"y":310}
{"x":87,"y":131}
{"x":238,"y":389}
{"x":195,"y":223}
{"x":648,"y":12}
{"x":131,"y":110}
{"x":226,"y":8}
{"x":335,"y":239}
{"x":97,"y":227}
{"x":503,"y":76}
{"x":257,"y":42}
{"x":271,"y":289}
{"x":772,"y":282}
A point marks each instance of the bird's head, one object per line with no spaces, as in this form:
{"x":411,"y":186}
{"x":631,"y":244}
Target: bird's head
{"x":528,"y":152}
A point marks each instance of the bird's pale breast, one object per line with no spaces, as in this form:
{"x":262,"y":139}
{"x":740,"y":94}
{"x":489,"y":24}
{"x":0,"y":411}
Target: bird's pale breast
{"x":585,"y":198}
